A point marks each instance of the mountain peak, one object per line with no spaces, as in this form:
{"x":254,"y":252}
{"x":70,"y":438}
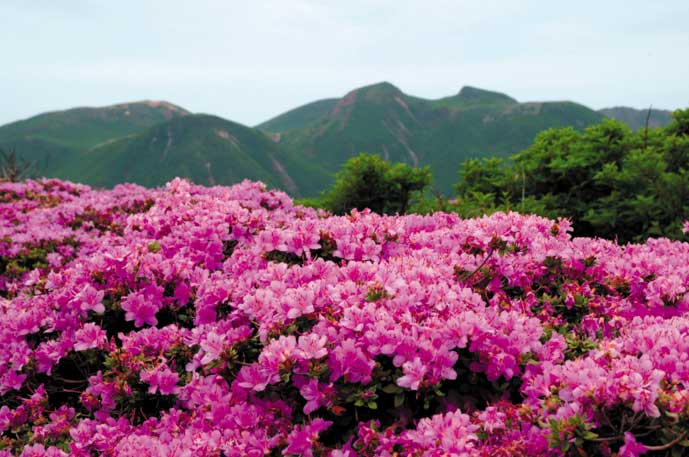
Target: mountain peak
{"x":381,"y":89}
{"x":476,"y":96}
{"x":83,"y":128}
{"x":162,"y":105}
{"x":376,"y":92}
{"x":383,"y":86}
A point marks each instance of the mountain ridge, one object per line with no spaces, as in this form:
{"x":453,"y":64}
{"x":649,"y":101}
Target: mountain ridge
{"x":298,"y":150}
{"x":205,"y":148}
{"x":636,"y":118}
{"x":380,"y":118}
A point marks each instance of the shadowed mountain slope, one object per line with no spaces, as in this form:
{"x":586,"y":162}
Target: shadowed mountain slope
{"x":442,"y":133}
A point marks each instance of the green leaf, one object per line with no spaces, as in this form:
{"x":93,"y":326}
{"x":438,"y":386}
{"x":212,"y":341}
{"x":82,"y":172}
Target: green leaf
{"x":392,"y":389}
{"x":589,"y":435}
{"x":399,"y":400}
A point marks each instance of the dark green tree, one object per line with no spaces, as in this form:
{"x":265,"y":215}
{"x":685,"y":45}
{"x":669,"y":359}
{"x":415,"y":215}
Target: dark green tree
{"x":610,"y":181}
{"x":367,"y":181}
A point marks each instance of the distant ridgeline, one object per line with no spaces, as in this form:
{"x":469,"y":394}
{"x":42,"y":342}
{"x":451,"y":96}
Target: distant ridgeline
{"x":299,"y":151}
{"x":636,"y":118}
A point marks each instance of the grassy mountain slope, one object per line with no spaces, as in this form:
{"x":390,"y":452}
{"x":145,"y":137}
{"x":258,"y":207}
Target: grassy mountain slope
{"x":52,"y":140}
{"x":298,"y":117}
{"x":207,"y":149}
{"x":298,"y":151}
{"x":82,"y":128}
{"x":636,"y":118}
{"x":441,"y":133}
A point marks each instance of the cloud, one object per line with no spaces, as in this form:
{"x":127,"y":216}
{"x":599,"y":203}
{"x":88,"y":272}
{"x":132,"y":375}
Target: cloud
{"x":249,"y":60}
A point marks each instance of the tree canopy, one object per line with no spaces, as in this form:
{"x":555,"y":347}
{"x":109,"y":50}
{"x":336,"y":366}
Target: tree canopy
{"x":367,"y":181}
{"x":612,"y":182}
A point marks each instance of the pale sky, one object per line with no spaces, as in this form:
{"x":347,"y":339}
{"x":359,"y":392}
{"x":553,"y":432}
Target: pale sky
{"x":250,"y":60}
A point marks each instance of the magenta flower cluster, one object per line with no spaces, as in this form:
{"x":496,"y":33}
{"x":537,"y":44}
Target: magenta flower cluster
{"x":228,"y":321}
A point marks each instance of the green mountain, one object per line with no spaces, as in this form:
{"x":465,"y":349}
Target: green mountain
{"x":298,"y":117}
{"x":441,"y":133}
{"x":207,"y":149}
{"x":636,"y":118}
{"x":298,"y":151}
{"x":52,"y":140}
{"x":152,"y":142}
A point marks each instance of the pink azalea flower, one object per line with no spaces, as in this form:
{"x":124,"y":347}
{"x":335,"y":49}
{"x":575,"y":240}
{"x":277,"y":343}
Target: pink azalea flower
{"x":139,"y":310}
{"x":414,"y":373}
{"x":256,"y":378}
{"x":301,"y":440}
{"x":90,"y":299}
{"x":90,"y":336}
{"x":161,"y":379}
{"x":213,"y":346}
{"x":38,"y":450}
{"x":349,"y":361}
{"x":628,"y":306}
{"x":631,"y":448}
{"x":492,"y":419}
{"x":312,"y":346}
{"x":315,"y":394}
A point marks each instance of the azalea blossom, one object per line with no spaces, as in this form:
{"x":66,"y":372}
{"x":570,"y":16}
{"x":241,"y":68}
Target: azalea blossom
{"x":188,"y":320}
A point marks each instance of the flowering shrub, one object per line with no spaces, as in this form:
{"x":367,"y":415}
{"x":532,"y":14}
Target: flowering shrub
{"x":226,"y":321}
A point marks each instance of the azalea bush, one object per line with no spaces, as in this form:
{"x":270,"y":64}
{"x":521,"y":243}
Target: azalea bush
{"x":227,"y":321}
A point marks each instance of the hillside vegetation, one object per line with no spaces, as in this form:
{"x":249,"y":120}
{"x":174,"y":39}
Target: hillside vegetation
{"x":300,"y":150}
{"x":613,"y":182}
{"x":636,"y":118}
{"x":52,"y":140}
{"x":299,"y":117}
{"x":206,"y":149}
{"x":381,"y":119}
